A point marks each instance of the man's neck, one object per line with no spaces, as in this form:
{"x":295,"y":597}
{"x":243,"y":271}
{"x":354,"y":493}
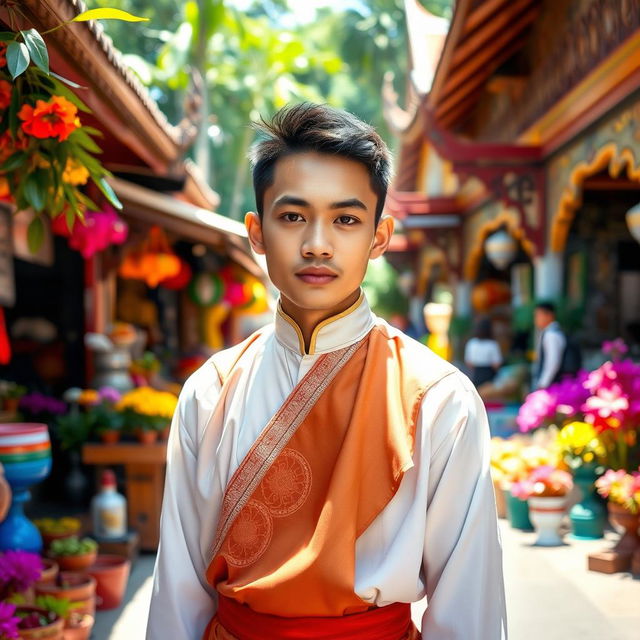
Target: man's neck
{"x":308,"y":319}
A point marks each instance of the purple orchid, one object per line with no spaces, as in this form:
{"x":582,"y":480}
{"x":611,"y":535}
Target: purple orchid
{"x":8,"y":621}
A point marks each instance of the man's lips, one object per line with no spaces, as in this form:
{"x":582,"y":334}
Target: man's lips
{"x":316,"y":275}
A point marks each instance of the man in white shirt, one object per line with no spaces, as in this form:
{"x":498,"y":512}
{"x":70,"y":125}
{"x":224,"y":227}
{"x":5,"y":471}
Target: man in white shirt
{"x":551,"y":346}
{"x":329,"y":471}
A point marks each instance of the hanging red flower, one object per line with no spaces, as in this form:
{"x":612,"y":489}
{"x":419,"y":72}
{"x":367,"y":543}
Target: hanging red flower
{"x":55,"y":118}
{"x":3,"y":54}
{"x":5,"y":94}
{"x":180,"y":280}
{"x":152,"y":262}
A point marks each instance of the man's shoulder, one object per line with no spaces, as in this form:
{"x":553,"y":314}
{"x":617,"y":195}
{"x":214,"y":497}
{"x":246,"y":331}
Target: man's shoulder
{"x":422,"y":361}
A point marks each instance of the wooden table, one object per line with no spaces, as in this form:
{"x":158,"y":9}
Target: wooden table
{"x":144,"y":466}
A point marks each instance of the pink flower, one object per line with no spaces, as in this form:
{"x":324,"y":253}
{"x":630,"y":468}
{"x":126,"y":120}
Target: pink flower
{"x":615,"y":348}
{"x":8,"y":621}
{"x":610,"y":478}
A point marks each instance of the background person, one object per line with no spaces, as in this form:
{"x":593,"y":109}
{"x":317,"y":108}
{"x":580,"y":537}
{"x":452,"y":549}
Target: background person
{"x":482,"y":354}
{"x":550,"y":347}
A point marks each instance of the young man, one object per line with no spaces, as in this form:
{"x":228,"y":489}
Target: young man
{"x":328,"y":471}
{"x":550,"y":348}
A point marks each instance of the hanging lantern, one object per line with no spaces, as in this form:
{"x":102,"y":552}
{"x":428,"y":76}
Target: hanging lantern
{"x":180,"y":280}
{"x":206,"y":289}
{"x":633,"y":221}
{"x":501,"y":249}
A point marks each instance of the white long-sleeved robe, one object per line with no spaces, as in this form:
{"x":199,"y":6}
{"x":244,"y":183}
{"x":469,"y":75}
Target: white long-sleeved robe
{"x":438,"y":537}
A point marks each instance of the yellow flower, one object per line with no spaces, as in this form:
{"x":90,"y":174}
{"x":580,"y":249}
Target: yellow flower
{"x":75,"y":173}
{"x":149,"y":402}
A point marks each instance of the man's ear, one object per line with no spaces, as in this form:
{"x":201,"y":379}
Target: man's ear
{"x":254,"y":229}
{"x":381,"y":240}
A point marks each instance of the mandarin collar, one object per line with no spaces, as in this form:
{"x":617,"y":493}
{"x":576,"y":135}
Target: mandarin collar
{"x":331,"y":334}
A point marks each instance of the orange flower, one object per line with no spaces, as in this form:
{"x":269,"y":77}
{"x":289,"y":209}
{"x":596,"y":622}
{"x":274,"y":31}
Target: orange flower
{"x":5,"y":94}
{"x":5,"y":191}
{"x":3,"y":54}
{"x":56,"y":118}
{"x":75,"y":173}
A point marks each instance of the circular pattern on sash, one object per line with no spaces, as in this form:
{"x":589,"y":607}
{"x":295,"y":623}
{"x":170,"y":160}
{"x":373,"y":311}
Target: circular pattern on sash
{"x":250,"y":535}
{"x":286,"y":485}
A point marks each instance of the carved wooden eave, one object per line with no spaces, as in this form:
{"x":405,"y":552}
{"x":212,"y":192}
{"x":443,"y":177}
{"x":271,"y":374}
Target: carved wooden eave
{"x":405,"y":204}
{"x":482,"y":36}
{"x":120,"y":103}
{"x":513,"y":174}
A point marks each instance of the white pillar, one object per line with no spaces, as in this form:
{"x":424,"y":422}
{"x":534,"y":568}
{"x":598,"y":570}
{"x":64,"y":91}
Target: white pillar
{"x":548,"y":276}
{"x":463,"y":299}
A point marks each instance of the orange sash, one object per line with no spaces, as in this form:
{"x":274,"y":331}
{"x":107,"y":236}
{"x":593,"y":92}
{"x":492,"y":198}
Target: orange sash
{"x":318,"y":475}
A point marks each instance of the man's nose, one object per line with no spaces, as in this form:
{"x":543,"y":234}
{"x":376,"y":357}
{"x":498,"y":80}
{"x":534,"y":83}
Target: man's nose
{"x":317,"y":242}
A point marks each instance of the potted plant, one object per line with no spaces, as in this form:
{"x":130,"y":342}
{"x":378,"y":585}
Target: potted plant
{"x":10,"y":394}
{"x":77,"y":626}
{"x":584,"y":453}
{"x":147,"y":412}
{"x":108,"y":422}
{"x":622,"y":490}
{"x":50,"y":570}
{"x":19,"y":571}
{"x":37,"y":623}
{"x":78,"y":588}
{"x":56,"y":529}
{"x":74,"y":554}
{"x":545,"y":488}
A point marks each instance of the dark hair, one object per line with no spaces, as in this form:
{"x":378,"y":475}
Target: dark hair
{"x":483,"y":329}
{"x":549,"y":307}
{"x":318,"y":127}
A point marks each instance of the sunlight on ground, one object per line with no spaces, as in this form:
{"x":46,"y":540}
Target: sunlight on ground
{"x":132,"y":622}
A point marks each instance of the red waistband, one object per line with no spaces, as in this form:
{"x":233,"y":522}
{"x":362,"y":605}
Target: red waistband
{"x":392,"y":622}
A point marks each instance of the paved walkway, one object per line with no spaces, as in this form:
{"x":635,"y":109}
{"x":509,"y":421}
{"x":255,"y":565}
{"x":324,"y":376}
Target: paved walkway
{"x":550,"y":596}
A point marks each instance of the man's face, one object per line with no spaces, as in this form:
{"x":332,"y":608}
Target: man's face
{"x":542,"y":318}
{"x":318,"y":231}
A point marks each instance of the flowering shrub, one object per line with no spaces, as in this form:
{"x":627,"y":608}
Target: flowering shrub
{"x":512,"y":461}
{"x":578,"y":444}
{"x":543,"y":481}
{"x":37,"y":404}
{"x":621,"y":488}
{"x":147,"y":408}
{"x":8,"y":621}
{"x":46,"y":153}
{"x":18,"y":571}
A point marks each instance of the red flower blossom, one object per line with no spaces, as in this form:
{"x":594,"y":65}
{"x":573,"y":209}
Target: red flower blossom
{"x":5,"y":94}
{"x":3,"y":54}
{"x":56,"y":118}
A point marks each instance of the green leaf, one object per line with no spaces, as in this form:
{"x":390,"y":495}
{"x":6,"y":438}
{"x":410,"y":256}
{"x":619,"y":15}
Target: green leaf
{"x":37,"y":49}
{"x":71,"y":83}
{"x":35,"y":234}
{"x":17,"y":159}
{"x":34,"y":192}
{"x":7,"y":36}
{"x":85,"y":141}
{"x":87,"y":202}
{"x":14,"y":107}
{"x":17,"y":58}
{"x":108,"y":192}
{"x":70,"y":218}
{"x":108,"y":14}
{"x":92,"y":131}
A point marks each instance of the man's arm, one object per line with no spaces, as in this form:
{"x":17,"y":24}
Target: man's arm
{"x":462,"y":551}
{"x":182,"y":604}
{"x":553,"y":345}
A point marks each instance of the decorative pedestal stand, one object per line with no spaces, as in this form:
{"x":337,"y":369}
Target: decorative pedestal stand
{"x":25,"y":452}
{"x":546,"y":513}
{"x":518,"y":512}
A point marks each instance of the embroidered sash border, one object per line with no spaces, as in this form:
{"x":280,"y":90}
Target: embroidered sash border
{"x":275,"y":436}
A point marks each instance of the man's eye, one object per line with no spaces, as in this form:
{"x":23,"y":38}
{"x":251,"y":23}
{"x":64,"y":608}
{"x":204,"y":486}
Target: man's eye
{"x":346,"y":220}
{"x":292,"y":217}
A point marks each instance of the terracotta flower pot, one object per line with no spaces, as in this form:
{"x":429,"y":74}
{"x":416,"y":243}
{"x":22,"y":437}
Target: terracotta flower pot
{"x":49,"y":572}
{"x":110,"y":436}
{"x":77,"y":563}
{"x":627,"y":524}
{"x":78,"y":588}
{"x":146,"y":437}
{"x":80,"y":630}
{"x":111,"y":573}
{"x":164,"y":434}
{"x":51,"y":631}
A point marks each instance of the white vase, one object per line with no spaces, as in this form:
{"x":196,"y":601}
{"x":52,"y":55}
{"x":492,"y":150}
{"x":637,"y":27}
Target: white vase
{"x":546,"y":514}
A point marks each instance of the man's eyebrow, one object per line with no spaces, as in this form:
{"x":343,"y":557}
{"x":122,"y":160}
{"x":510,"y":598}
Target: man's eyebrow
{"x":292,"y":200}
{"x":349,"y":204}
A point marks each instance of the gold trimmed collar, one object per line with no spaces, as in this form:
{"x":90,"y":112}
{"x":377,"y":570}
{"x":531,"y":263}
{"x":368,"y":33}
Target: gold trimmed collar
{"x":335,"y":332}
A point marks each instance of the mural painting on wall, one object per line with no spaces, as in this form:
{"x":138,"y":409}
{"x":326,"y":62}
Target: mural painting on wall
{"x":614,"y":146}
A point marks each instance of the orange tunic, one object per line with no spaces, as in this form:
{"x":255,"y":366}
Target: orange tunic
{"x":321,"y":471}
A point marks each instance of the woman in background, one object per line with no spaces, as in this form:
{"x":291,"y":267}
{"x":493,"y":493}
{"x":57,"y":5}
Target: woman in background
{"x":482,"y":354}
